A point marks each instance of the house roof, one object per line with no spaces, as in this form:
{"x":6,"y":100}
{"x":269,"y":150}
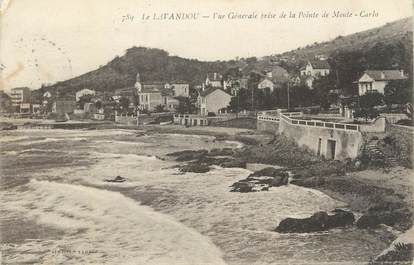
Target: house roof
{"x":379,"y":75}
{"x":167,"y":92}
{"x":179,"y":82}
{"x":266,"y":78}
{"x":210,"y":90}
{"x":149,"y":90}
{"x":123,"y":90}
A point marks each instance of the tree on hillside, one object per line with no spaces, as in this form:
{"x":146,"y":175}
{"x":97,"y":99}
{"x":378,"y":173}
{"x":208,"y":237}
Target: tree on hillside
{"x":321,"y":87}
{"x":302,"y":96}
{"x":124,"y":104}
{"x":347,"y":68}
{"x":367,"y":103}
{"x":98,"y":104}
{"x":185,"y":106}
{"x":398,"y":92}
{"x":242,"y":101}
{"x":159,"y":108}
{"x":84,"y":99}
{"x":232,"y":72}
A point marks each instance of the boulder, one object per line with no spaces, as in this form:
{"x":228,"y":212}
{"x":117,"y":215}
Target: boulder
{"x":234,"y":163}
{"x":389,"y":218}
{"x":195,"y":168}
{"x":221,"y":152}
{"x":319,"y":221}
{"x":242,"y":187}
{"x":280,"y":180}
{"x":261,"y":180}
{"x":340,"y":218}
{"x":188,"y":155}
{"x":117,"y":179}
{"x":268,"y":171}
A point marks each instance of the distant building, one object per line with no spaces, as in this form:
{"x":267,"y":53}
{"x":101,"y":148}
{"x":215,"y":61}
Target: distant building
{"x":317,"y":68}
{"x":214,"y":80}
{"x":5,"y":103}
{"x":233,"y":85}
{"x":47,"y":94}
{"x":180,"y":88}
{"x":153,"y":94}
{"x":20,"y":95}
{"x":277,"y":74}
{"x":376,"y":80}
{"x":84,"y":92}
{"x":314,"y":70}
{"x":28,"y":108}
{"x":266,"y":85}
{"x":273,"y":78}
{"x":213,"y":100}
{"x":63,"y":106}
{"x":149,"y":98}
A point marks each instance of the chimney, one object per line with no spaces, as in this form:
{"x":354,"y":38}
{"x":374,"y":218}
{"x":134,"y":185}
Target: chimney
{"x":402,"y":72}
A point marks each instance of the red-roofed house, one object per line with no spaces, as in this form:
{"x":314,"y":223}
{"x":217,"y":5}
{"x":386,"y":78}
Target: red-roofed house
{"x":376,"y":80}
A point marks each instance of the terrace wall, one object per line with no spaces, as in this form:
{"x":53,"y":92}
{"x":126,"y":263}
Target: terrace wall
{"x":319,"y":139}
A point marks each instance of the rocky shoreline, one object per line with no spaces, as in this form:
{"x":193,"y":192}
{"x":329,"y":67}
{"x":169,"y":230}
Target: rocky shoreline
{"x":379,"y":205}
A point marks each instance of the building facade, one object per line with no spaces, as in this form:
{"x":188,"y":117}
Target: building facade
{"x":180,"y":88}
{"x":63,"y":106}
{"x":213,"y":100}
{"x":377,"y":80}
{"x":84,"y":92}
{"x":20,"y":95}
{"x":214,"y":80}
{"x":314,"y":70}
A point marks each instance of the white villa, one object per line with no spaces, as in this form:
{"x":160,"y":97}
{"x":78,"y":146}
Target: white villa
{"x":84,"y":92}
{"x":213,"y":100}
{"x":376,"y":80}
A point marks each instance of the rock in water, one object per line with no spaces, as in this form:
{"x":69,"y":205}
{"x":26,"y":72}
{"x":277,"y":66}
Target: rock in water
{"x":262,"y":180}
{"x":319,"y":221}
{"x":234,"y":163}
{"x":242,"y":187}
{"x":118,"y":179}
{"x":195,"y":168}
{"x":188,"y":155}
{"x":373,"y":220}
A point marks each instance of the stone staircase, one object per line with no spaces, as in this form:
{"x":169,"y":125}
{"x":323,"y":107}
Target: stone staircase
{"x":377,"y":155}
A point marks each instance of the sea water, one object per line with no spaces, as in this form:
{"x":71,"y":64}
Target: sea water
{"x":55,"y":180}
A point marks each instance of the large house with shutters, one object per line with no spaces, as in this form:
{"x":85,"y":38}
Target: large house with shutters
{"x":213,"y":100}
{"x":377,"y":80}
{"x":314,"y":70}
{"x":273,"y":78}
{"x":153,"y":94}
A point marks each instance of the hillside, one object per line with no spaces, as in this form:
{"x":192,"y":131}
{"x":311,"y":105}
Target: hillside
{"x":390,"y":33}
{"x":152,"y":64}
{"x":389,"y":46}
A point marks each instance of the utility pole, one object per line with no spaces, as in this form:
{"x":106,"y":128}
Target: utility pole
{"x":288,"y":97}
{"x":253,"y":98}
{"x":137,"y":117}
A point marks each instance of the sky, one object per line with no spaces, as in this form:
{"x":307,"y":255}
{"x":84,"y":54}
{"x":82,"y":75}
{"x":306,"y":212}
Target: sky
{"x":46,"y":41}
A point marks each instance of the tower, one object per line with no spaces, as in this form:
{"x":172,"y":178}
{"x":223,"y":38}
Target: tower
{"x":138,"y":85}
